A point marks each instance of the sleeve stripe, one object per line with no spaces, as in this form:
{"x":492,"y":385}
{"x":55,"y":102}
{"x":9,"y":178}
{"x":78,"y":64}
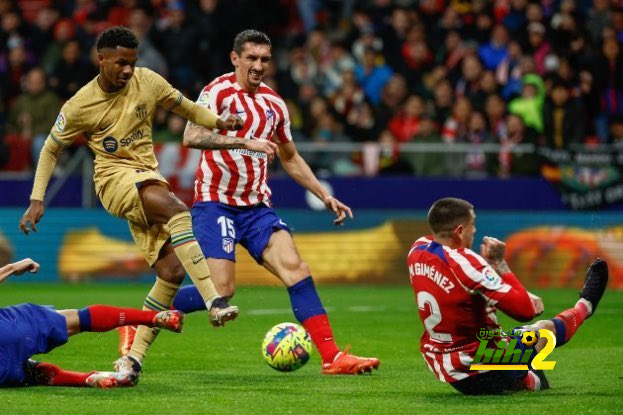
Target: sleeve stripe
{"x":178,"y":101}
{"x":59,"y":142}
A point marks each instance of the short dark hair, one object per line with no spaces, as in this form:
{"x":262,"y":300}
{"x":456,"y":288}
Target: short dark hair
{"x":117,"y":36}
{"x":250,"y":35}
{"x":446,"y":214}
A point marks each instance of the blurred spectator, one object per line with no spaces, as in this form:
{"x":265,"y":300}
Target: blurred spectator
{"x":476,"y":162}
{"x":390,"y":159}
{"x":428,"y":163}
{"x":529,"y":106}
{"x":64,"y":31}
{"x":512,"y":163}
{"x":349,"y":95}
{"x":563,"y":121}
{"x":468,"y":85}
{"x":493,"y":53}
{"x":495,"y":110}
{"x":71,"y":73}
{"x":174,"y":130}
{"x":42,"y":29}
{"x":33,"y":113}
{"x":452,"y":51}
{"x":393,"y":95}
{"x":616,"y":132}
{"x":393,"y":35}
{"x":443,"y":100}
{"x":406,"y":123}
{"x":177,"y":40}
{"x":339,"y":62}
{"x":538,"y":46}
{"x":599,"y":17}
{"x":457,"y":123}
{"x":148,"y":56}
{"x":372,"y":76}
{"x":361,"y":125}
{"x":13,"y":66}
{"x":608,"y":73}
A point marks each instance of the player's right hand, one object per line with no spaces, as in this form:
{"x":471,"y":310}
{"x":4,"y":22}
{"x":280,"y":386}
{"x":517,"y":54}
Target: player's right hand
{"x":265,"y":146}
{"x":24,"y":265}
{"x":32,"y":216}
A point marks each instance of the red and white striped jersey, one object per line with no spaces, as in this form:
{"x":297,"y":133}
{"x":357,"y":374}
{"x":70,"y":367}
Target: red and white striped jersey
{"x":457,"y":294}
{"x":237,"y":177}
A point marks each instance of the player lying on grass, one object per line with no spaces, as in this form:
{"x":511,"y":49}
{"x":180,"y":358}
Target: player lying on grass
{"x":29,"y":329}
{"x":458,"y":291}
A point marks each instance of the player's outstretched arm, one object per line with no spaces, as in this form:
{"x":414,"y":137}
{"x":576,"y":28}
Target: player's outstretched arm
{"x":18,"y":268}
{"x":196,"y":136}
{"x":47,"y":161}
{"x":299,"y":170}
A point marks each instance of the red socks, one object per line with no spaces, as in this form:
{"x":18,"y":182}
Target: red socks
{"x":573,"y":318}
{"x":49,"y":374}
{"x":104,"y":318}
{"x":320,"y":331}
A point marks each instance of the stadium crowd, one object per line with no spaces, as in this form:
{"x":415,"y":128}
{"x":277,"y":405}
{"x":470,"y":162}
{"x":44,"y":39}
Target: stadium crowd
{"x":503,"y":72}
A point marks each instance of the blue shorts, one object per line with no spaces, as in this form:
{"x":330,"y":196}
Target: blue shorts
{"x":27,"y":330}
{"x":219,"y":227}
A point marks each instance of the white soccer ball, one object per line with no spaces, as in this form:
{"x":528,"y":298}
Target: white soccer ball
{"x":286,"y":347}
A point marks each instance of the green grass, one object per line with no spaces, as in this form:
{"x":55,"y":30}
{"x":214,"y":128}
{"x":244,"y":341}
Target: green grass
{"x":206,"y":370}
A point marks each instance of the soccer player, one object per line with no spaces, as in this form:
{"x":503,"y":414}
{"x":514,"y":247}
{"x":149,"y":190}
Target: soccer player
{"x":233,"y":199}
{"x":458,"y":292}
{"x":115,"y":112}
{"x":30,"y":329}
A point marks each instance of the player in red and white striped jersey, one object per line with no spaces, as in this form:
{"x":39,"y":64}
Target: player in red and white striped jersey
{"x":232,"y":198}
{"x":458,"y":292}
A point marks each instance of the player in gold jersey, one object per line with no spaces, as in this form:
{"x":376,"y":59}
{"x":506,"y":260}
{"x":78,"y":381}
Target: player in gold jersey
{"x":115,"y":112}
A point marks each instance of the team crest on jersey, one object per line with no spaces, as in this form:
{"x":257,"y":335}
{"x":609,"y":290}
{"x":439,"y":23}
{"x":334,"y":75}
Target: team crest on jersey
{"x":141,"y":111}
{"x":60,"y":122}
{"x":228,"y":245}
{"x":270,"y":114}
{"x":110,"y":144}
{"x":203,"y":99}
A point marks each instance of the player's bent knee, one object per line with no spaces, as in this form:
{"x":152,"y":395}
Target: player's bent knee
{"x":173,"y":273}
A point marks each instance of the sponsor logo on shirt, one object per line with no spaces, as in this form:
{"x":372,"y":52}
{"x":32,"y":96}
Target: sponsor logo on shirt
{"x":110,"y":144}
{"x":135,"y":135}
{"x":60,"y":122}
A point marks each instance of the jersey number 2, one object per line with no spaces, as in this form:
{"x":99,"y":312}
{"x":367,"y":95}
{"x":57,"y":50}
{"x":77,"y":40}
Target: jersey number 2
{"x":424,"y":298}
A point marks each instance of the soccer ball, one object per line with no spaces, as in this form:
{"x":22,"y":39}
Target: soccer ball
{"x":529,"y":338}
{"x":286,"y":347}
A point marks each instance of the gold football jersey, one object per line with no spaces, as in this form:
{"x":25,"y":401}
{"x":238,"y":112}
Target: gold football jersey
{"x":117,"y":125}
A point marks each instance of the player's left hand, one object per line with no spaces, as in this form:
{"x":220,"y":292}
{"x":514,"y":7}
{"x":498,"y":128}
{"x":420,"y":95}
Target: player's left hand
{"x":492,"y":249}
{"x":339,"y":208}
{"x":25,"y":265}
{"x":232,"y":122}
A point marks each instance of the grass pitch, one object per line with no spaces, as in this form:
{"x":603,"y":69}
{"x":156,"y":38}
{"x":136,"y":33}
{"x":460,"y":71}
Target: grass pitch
{"x":206,"y":370}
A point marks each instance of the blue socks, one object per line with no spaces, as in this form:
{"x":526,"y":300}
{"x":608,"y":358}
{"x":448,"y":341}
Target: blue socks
{"x":305,"y":300}
{"x":188,"y":300}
